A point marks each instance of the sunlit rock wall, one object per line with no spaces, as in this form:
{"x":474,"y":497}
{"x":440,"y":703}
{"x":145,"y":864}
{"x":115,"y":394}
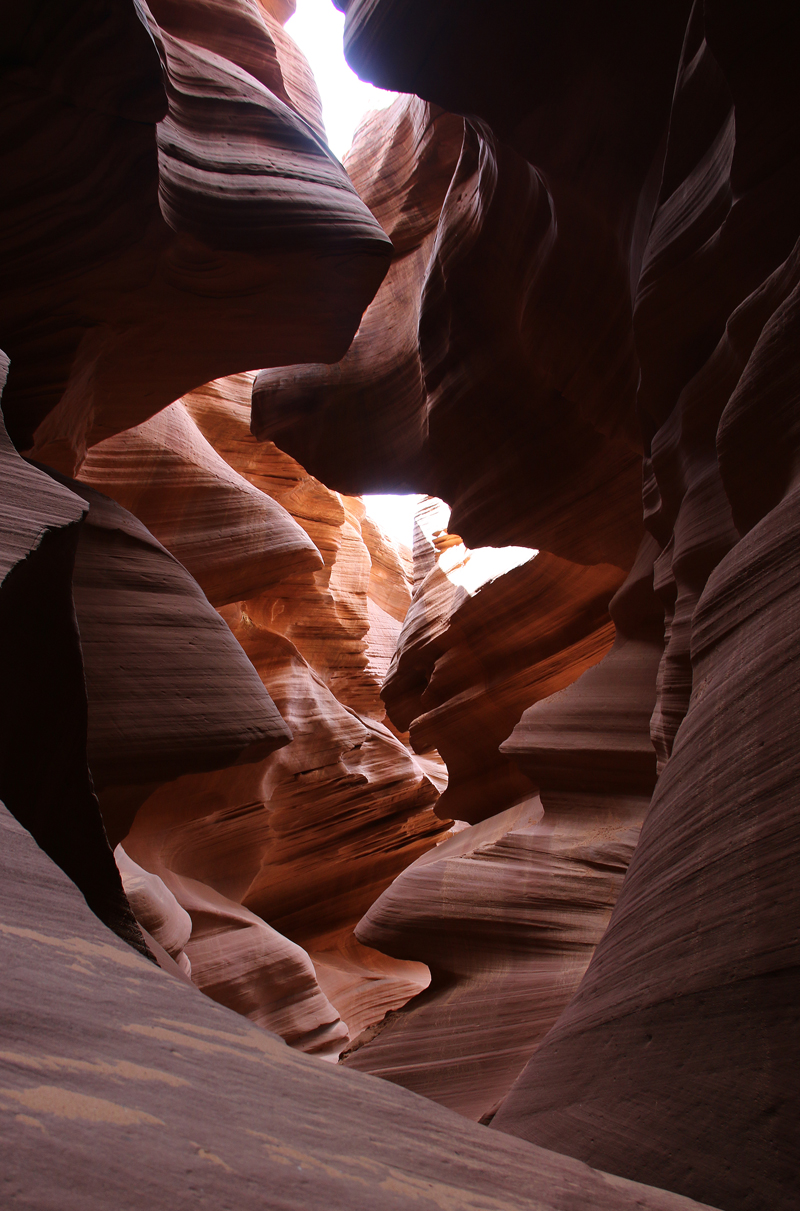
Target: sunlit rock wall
{"x":650,"y":261}
{"x":576,"y":263}
{"x":277,"y":859}
{"x":507,"y":913}
{"x":473,"y":656}
{"x":612,"y":277}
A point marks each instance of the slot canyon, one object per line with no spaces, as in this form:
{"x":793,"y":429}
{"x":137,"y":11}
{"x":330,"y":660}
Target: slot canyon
{"x":341,"y":872}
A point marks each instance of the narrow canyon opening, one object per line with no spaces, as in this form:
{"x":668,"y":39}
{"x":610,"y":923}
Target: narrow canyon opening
{"x":398,"y":620}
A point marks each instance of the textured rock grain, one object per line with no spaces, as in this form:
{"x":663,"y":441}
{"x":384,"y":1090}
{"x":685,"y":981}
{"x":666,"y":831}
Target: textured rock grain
{"x":507,"y":913}
{"x":44,"y":775}
{"x":166,"y":1096}
{"x":171,"y":227}
{"x":466,"y":667}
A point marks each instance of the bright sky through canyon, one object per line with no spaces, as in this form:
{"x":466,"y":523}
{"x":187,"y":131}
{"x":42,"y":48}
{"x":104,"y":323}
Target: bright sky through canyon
{"x":394,"y":514}
{"x":317,"y":29}
{"x":471,"y":569}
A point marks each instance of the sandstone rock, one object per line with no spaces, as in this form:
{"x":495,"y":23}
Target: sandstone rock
{"x":368,"y":430}
{"x":691,"y":993}
{"x":44,"y":776}
{"x":171,"y":229}
{"x":594,"y":736}
{"x":343,"y":617}
{"x":507,"y":914}
{"x":156,"y":909}
{"x":697,"y":972}
{"x":545,"y":218}
{"x":467,"y":666}
{"x":240,"y":542}
{"x":165,"y":1092}
{"x":234,"y":539}
{"x":365,"y":985}
{"x":388,"y":600}
{"x":249,"y":33}
{"x":307,"y":838}
{"x":169,"y":688}
{"x":241,"y":962}
{"x":598,"y":262}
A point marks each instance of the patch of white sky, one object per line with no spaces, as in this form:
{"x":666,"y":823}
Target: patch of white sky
{"x":468,"y":568}
{"x":317,"y":27}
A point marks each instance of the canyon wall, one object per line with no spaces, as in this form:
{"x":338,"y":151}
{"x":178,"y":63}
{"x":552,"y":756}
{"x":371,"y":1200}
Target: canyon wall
{"x":120,"y":1084}
{"x":555,"y":285}
{"x":276,"y":859}
{"x":668,"y":141}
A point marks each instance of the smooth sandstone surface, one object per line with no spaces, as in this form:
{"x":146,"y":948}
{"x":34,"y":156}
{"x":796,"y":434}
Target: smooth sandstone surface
{"x":581,"y":239}
{"x":343,"y":617}
{"x":167,"y":1098}
{"x":169,"y":689}
{"x":466,"y":666}
{"x":708,"y":988}
{"x":507,"y":913}
{"x":234,"y":539}
{"x":156,"y":909}
{"x":265,"y":836}
{"x":367,"y":412}
{"x":174,"y":215}
{"x":527,"y":293}
{"x":620,"y":238}
{"x":48,"y":786}
{"x":306,"y":839}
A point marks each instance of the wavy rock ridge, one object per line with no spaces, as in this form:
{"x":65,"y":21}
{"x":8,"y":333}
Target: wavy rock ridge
{"x":680,"y":179}
{"x":250,"y":851}
{"x":562,"y":267}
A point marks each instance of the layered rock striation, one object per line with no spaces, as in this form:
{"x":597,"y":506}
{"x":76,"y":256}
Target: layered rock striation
{"x":360,"y":425}
{"x":655,"y":207}
{"x":572,"y":271}
{"x":51,"y":793}
{"x":698,"y":968}
{"x":162,"y":1095}
{"x":507,"y":913}
{"x":468,"y":664}
{"x":279,"y":857}
{"x":171,"y":210}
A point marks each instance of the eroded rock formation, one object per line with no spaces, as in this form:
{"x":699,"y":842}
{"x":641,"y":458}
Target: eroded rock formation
{"x":573,"y":267}
{"x":315,"y":596}
{"x":167,"y":1096}
{"x":507,"y":913}
{"x":367,"y":427}
{"x":44,"y":690}
{"x":171,"y":212}
{"x":698,"y":184}
{"x":699,"y":966}
{"x":466,"y":666}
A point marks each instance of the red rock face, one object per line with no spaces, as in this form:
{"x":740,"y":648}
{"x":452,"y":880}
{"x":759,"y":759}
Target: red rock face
{"x":256,"y":843}
{"x":152,"y":220}
{"x":476,"y":270}
{"x":50,"y":792}
{"x":234,"y":539}
{"x":368,"y":430}
{"x":571,"y":265}
{"x":150,"y":212}
{"x":200,"y":1097}
{"x":507,"y":913}
{"x":683,"y":220}
{"x":467,"y":666}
